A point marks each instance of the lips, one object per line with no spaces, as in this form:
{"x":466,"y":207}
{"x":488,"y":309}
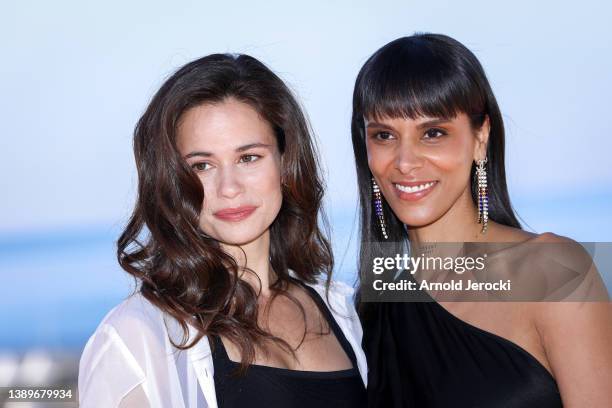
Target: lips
{"x":235,"y":214}
{"x":414,"y":190}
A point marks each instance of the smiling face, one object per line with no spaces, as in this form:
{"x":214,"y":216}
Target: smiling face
{"x":423,"y":165}
{"x":234,"y":152}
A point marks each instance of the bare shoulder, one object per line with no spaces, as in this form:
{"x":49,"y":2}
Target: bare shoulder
{"x":552,"y":237}
{"x":512,"y":234}
{"x":565,"y":249}
{"x":565,"y":242}
{"x":504,"y":233}
{"x":586,"y":296}
{"x":547,"y":245}
{"x":576,"y":338}
{"x":573,"y":284}
{"x":575,"y":330}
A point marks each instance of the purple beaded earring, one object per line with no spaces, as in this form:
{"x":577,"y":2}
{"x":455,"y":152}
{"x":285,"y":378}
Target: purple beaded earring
{"x":483,"y":194}
{"x":378,"y":208}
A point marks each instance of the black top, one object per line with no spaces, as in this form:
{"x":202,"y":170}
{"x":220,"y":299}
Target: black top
{"x":270,"y":387}
{"x":421,"y":355}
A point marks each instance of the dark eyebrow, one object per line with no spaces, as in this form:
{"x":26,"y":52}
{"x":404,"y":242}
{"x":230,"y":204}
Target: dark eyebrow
{"x":239,"y":149}
{"x":251,"y":146}
{"x":426,"y":124}
{"x":376,"y":125}
{"x":433,"y":122}
{"x":194,"y":154}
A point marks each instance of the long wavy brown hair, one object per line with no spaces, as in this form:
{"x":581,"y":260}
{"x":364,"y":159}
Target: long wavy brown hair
{"x":180,"y":269}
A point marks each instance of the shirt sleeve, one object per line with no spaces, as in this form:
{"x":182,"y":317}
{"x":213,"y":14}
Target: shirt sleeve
{"x":108,"y":371}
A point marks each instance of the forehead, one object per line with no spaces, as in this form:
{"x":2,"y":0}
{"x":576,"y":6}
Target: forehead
{"x":221,"y":127}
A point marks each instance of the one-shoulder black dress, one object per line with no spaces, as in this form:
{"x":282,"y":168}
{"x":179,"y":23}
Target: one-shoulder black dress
{"x":420,"y":356}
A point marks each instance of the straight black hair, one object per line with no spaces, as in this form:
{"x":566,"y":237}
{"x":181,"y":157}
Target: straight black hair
{"x":424,"y":75}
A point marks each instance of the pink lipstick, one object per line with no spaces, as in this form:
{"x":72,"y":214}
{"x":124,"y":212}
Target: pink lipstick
{"x":235,"y":214}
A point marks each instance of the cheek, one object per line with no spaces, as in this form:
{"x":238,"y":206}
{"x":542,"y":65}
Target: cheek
{"x":449,"y":162}
{"x":453,"y":158}
{"x":379,"y":158}
{"x":264,"y":182}
{"x":209,"y":193}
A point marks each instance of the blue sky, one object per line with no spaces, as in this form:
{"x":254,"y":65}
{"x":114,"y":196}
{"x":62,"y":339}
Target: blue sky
{"x":75,"y":77}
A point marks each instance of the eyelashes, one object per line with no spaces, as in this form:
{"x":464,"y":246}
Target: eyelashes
{"x":251,"y":158}
{"x":244,"y":159}
{"x":202,"y":166}
{"x":431,"y":133}
{"x":434,"y":133}
{"x":383,"y":136}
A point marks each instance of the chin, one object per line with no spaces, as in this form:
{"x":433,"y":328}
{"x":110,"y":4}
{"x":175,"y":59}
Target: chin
{"x":237,"y":236}
{"x":237,"y":241}
{"x":416,"y":221}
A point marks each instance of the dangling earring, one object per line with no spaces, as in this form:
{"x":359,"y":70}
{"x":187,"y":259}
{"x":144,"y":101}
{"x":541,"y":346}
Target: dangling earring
{"x":378,"y":208}
{"x":483,"y":194}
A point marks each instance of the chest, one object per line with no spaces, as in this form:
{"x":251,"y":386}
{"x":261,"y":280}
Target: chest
{"x":305,"y":336}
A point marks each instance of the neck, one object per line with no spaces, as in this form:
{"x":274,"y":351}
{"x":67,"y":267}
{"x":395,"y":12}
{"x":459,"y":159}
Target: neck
{"x":458,"y":224}
{"x":253,"y":258}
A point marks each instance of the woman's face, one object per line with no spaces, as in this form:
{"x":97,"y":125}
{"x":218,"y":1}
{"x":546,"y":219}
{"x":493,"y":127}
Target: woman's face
{"x":234,"y":152}
{"x":423,"y":165}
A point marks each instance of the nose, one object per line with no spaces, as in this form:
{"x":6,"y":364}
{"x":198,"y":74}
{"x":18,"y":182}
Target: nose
{"x":408,"y":158}
{"x":229,"y":184}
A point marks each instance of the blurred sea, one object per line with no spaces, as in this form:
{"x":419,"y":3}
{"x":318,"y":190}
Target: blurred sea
{"x":57,"y":285}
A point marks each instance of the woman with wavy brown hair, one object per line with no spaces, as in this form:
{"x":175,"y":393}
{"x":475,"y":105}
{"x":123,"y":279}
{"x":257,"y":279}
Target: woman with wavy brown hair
{"x":235,"y":305}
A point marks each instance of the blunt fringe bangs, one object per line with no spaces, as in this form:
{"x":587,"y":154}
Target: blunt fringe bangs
{"x":419,"y":78}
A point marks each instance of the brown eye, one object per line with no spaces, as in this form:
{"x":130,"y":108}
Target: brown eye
{"x":383,"y":136}
{"x":249,"y":158}
{"x":434,"y":133}
{"x":201,"y":166}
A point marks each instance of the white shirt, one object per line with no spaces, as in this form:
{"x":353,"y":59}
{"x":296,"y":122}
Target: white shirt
{"x":129,"y":360}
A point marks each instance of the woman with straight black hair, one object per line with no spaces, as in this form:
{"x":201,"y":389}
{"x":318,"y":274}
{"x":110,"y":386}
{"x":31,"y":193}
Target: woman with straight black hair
{"x":428,"y":138}
{"x":235,"y":306}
